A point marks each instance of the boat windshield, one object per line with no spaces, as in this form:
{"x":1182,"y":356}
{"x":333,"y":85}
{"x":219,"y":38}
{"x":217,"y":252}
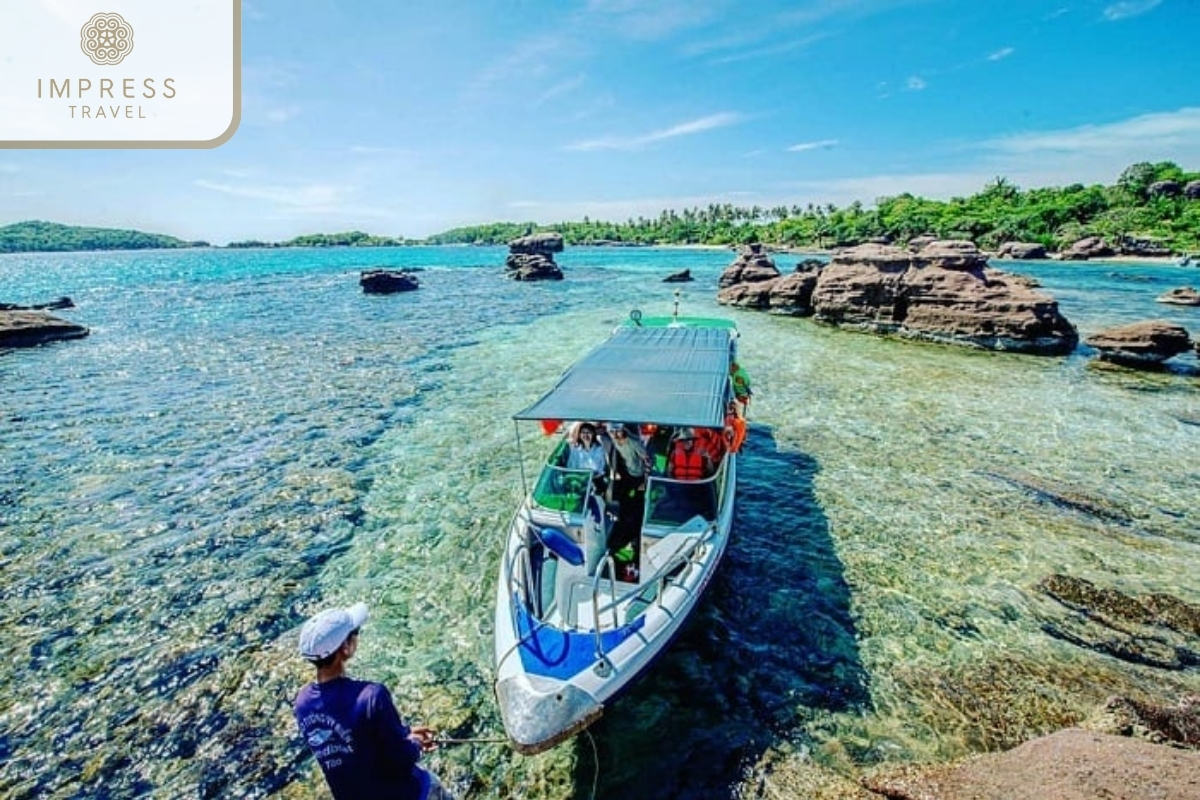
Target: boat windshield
{"x":670,"y":502}
{"x":562,"y":489}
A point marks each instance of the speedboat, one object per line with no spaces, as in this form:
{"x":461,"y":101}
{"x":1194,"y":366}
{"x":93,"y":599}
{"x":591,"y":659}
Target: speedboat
{"x":594,"y":584}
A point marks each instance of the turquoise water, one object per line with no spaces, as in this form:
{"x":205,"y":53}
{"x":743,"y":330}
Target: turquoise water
{"x":246,"y":437}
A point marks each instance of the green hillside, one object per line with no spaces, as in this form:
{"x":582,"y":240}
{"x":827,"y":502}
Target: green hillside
{"x":37,"y":236}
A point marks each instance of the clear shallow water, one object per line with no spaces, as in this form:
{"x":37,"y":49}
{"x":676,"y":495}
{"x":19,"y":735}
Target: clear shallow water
{"x":245,"y":437}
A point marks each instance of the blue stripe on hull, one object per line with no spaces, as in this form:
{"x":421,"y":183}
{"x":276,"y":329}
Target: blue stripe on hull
{"x":555,"y":653}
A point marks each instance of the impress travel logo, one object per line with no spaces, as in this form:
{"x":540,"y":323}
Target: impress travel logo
{"x":71,"y":76}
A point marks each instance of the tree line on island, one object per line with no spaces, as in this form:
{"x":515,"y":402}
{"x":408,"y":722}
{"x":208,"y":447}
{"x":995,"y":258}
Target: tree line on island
{"x":1155,"y":206}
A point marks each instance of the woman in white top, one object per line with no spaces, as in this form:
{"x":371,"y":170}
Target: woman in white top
{"x":587,"y":452}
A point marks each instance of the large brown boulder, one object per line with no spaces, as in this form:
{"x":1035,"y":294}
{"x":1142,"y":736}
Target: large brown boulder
{"x":1072,"y":764}
{"x":752,"y":265}
{"x":1023,"y":251}
{"x":29,"y":328}
{"x":1087,"y":247}
{"x":944,"y":293}
{"x":1140,"y":344}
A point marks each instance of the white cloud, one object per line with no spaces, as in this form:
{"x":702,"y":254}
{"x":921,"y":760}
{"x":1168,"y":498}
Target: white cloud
{"x":312,"y":197}
{"x":688,"y":128}
{"x":821,"y":144}
{"x":1146,"y":133}
{"x":559,"y":89}
{"x":1129,"y":8}
{"x":1000,"y":54}
{"x":915,"y":84}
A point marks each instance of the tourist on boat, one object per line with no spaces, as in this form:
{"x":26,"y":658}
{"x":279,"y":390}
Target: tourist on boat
{"x":735,"y":428}
{"x":587,"y":452}
{"x":352,"y":726}
{"x":688,"y":460}
{"x":741,"y":385}
{"x":632,"y":462}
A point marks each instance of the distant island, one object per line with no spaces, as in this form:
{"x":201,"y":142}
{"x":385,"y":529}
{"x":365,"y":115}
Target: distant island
{"x":41,"y":237}
{"x":1152,"y":209}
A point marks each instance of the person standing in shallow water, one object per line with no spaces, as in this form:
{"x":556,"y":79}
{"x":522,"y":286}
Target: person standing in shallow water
{"x":352,"y":726}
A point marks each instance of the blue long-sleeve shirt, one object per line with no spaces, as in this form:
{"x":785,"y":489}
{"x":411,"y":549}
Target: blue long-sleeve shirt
{"x":358,"y":738}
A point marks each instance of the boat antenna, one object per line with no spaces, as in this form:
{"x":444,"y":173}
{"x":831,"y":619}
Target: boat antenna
{"x":675,"y":317}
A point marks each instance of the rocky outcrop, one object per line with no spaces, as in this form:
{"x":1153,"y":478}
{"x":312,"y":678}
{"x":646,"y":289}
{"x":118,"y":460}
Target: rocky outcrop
{"x":1192,"y":190}
{"x":1144,"y":345}
{"x":388,"y":281}
{"x":1183,"y":296}
{"x":1138,"y":246}
{"x":53,"y":305}
{"x":1164,"y":189}
{"x":1022,"y":251}
{"x":685,"y":276}
{"x":29,"y":328}
{"x":1087,"y":247}
{"x":531,"y":258}
{"x":945,"y":293}
{"x":918,"y":243}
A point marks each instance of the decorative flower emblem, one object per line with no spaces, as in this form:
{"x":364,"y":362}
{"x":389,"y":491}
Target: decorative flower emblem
{"x":106,"y":38}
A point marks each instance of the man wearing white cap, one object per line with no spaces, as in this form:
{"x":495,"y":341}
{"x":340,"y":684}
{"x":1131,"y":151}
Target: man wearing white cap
{"x":352,"y":726}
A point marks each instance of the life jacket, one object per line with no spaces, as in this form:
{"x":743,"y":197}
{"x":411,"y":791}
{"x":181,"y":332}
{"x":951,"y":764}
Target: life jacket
{"x":713,"y":441}
{"x":687,"y":466}
{"x":735,"y":432}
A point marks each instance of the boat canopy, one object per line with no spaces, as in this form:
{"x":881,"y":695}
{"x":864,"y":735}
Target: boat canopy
{"x":666,"y":376}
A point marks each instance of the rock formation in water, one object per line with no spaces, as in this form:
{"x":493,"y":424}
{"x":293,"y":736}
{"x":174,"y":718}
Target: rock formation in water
{"x":531,"y":258}
{"x":1025,"y":251}
{"x":387,"y":281}
{"x":1140,"y":344}
{"x":29,"y":326}
{"x":1183,"y":296}
{"x":945,"y":293}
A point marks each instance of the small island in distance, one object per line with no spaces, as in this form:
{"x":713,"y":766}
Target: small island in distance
{"x":1152,"y":210}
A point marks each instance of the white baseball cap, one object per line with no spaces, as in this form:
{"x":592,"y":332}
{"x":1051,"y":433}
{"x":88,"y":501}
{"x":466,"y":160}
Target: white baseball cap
{"x":324,"y":633}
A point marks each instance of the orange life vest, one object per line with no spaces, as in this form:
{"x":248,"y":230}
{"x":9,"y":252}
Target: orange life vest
{"x":687,"y":466}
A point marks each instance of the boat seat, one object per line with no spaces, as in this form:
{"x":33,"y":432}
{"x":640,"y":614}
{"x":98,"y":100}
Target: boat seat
{"x":560,"y":544}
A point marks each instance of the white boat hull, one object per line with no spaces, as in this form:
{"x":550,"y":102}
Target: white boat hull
{"x":563,"y":652}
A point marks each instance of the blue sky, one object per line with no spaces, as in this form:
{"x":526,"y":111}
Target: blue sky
{"x":408,"y":117}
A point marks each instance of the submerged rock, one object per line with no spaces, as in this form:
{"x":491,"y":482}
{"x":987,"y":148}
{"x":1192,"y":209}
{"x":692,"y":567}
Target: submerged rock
{"x":1157,"y":630}
{"x":684,"y":276}
{"x":1183,"y":296}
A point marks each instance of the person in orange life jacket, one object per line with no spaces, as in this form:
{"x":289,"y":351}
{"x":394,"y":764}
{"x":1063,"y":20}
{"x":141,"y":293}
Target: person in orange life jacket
{"x":712,"y":441}
{"x":735,"y":428}
{"x":689,"y":461}
{"x":352,"y":726}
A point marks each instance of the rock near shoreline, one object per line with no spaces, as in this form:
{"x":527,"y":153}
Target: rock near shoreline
{"x":30,"y":327}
